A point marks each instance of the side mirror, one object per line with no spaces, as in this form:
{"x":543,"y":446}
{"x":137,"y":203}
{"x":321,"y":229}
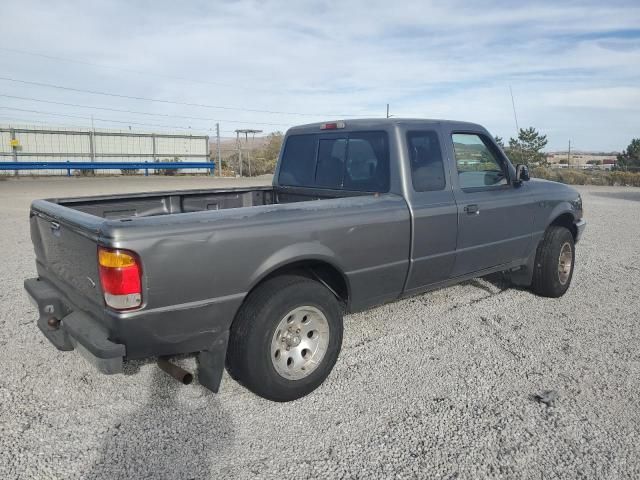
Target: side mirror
{"x":522,"y":173}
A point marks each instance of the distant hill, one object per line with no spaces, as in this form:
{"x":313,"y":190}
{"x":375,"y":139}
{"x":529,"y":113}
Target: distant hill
{"x":228,"y":144}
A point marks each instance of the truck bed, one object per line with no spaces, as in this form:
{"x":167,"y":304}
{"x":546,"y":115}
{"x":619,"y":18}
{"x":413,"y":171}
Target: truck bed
{"x":169,"y":203}
{"x":198,"y":267}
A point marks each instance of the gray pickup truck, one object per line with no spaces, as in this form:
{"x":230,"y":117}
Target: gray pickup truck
{"x":361,"y":212}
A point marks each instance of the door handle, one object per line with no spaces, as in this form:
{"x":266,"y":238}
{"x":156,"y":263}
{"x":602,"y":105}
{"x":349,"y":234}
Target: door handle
{"x":472,"y":209}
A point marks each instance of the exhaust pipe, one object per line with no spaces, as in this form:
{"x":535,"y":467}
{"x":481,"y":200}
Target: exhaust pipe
{"x":175,"y":371}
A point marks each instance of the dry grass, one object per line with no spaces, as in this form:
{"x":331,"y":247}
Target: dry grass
{"x":588,"y":177}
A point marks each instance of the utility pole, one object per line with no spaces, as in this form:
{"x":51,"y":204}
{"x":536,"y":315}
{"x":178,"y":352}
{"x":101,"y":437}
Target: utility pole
{"x":246,"y":132}
{"x":387,"y":110}
{"x":569,"y":155}
{"x":218,"y":156}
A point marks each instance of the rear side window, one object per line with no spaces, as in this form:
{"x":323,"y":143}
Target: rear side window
{"x":332,"y":153}
{"x":427,"y":167}
{"x":356,"y":161}
{"x":367,"y":165}
{"x":298,"y":165}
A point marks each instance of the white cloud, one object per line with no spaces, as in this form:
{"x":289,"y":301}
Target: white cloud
{"x":435,"y":59}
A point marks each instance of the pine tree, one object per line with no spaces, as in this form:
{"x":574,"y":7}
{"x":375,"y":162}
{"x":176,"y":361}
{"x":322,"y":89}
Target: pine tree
{"x":527,"y":148}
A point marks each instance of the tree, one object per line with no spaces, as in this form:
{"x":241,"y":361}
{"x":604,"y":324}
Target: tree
{"x":527,"y":148}
{"x":631,"y":156}
{"x":499,"y":141}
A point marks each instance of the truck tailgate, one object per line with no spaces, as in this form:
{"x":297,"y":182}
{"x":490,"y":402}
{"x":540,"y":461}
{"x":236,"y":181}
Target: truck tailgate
{"x":66,"y":255}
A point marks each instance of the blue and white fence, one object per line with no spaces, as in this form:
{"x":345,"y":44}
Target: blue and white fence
{"x":68,"y":152}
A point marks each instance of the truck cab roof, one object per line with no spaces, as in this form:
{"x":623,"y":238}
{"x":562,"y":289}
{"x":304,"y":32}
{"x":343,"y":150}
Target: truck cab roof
{"x":377,"y":123}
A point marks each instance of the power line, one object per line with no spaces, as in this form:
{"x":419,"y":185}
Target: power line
{"x":172,"y":102}
{"x":12,"y":120}
{"x":181,"y":127}
{"x":138,"y":112}
{"x":130,"y":70}
{"x":26,"y":122}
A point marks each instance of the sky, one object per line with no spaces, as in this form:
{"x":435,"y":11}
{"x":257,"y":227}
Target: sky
{"x":573,"y":67}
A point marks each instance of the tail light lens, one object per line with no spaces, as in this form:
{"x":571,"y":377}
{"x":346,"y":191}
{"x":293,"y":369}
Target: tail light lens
{"x":332,"y":126}
{"x":120,"y":273}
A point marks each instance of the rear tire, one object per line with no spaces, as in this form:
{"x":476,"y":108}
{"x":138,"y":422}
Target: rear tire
{"x":555,"y":259}
{"x":285,"y":338}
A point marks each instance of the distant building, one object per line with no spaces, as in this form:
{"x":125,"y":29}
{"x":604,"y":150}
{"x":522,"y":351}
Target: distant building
{"x":581,"y":159}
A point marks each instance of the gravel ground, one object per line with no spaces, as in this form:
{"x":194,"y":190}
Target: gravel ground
{"x":449,"y":384}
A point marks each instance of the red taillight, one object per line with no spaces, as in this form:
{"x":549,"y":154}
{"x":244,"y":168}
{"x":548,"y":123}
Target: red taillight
{"x":120,"y":274}
{"x":332,"y":126}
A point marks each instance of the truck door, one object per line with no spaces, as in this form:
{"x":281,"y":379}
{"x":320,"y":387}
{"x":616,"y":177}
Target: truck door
{"x":495,"y":217}
{"x":433,"y":211}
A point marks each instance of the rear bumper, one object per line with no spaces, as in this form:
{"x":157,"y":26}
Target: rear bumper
{"x":74,"y":330}
{"x":580,"y":226}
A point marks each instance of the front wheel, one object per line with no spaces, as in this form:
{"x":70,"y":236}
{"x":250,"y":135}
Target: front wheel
{"x":555,"y":259}
{"x":286,"y":338}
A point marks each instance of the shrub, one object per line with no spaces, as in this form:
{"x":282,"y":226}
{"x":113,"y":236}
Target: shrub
{"x":599,"y":179}
{"x":591,"y":177}
{"x":167,"y":171}
{"x":545,"y":173}
{"x":572,"y":177}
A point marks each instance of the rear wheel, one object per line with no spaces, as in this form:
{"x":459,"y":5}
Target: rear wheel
{"x":555,"y":259}
{"x":286,"y":338}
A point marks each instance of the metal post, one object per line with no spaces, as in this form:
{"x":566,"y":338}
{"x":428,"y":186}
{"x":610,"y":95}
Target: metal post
{"x":239,"y":152}
{"x":153,"y":141}
{"x":211,"y":170}
{"x":146,"y":170}
{"x":246,"y":132}
{"x":92,"y":141}
{"x":14,"y":149}
{"x":218,"y":156}
{"x":387,"y":110}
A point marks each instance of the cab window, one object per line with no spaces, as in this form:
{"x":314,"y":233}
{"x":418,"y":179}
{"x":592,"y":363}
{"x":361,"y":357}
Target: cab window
{"x":356,"y":161}
{"x":478,"y":164}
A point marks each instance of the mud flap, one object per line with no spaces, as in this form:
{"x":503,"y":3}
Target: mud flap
{"x":211,"y":363}
{"x":524,"y":275}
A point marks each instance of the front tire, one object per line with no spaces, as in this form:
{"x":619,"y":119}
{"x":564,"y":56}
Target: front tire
{"x":286,"y":338}
{"x":555,"y":259}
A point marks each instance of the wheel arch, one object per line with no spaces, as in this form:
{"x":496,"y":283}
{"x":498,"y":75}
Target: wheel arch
{"x":565,"y":219}
{"x":311,"y":260}
{"x":562,"y":217}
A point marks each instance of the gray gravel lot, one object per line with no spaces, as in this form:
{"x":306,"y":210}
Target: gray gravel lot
{"x":440,"y":385}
